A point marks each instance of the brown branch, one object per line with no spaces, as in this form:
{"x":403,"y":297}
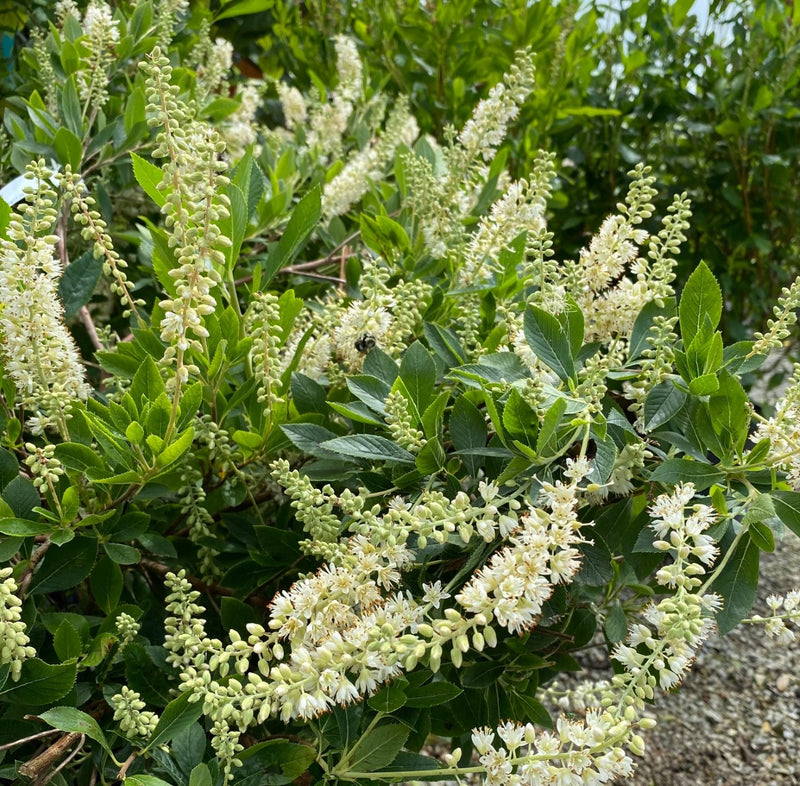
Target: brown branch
{"x":124,"y":768}
{"x":198,"y":584}
{"x":47,"y":777}
{"x":41,"y":763}
{"x":35,"y":559}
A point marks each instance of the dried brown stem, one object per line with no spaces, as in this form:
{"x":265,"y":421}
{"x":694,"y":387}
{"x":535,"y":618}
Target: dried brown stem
{"x":39,"y":765}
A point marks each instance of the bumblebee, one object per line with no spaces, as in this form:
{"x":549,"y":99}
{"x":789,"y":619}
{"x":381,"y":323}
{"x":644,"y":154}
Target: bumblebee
{"x":365,"y":343}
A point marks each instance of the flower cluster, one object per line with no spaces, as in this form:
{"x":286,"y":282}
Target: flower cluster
{"x":783,"y":432}
{"x":443,"y":196}
{"x":39,"y":353}
{"x":194,"y":205}
{"x":95,"y":230}
{"x":328,"y":120}
{"x":127,"y":629}
{"x":14,"y":647}
{"x":785,"y":609}
{"x":45,"y":468}
{"x":262,"y":322}
{"x":401,"y":423}
{"x":678,"y":624}
{"x":101,"y":34}
{"x":570,"y":755}
{"x":367,"y":165}
{"x":130,"y":713}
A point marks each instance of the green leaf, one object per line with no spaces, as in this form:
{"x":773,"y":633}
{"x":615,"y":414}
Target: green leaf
{"x":278,"y":761}
{"x":388,"y":699}
{"x":70,"y":106}
{"x":379,"y":747}
{"x":147,"y":383}
{"x":308,"y":395}
{"x":738,"y":585}
{"x":65,"y":567}
{"x":682,"y":470}
{"x":762,"y":536}
{"x":40,"y":683}
{"x":304,"y":218}
{"x":21,"y":496}
{"x":67,"y":642}
{"x":468,"y":432}
{"x":145,"y":677}
{"x":662,"y":403}
{"x":106,"y":583}
{"x":370,"y":447}
{"x":643,"y":324}
{"x":616,"y":624}
{"x":787,"y":508}
{"x":481,"y":675}
{"x":445,"y":344}
{"x":235,"y":615}
{"x":370,"y":390}
{"x":549,"y":341}
{"x":704,"y":385}
{"x":432,"y":694}
{"x":701,"y":299}
{"x":145,"y":780}
{"x":149,"y":177}
{"x":122,"y":554}
{"x":549,"y":427}
{"x":177,"y":716}
{"x":201,"y":776}
{"x":531,"y":711}
{"x":68,"y":148}
{"x":22,"y":528}
{"x":520,"y":419}
{"x":240,"y":8}
{"x":175,"y":449}
{"x":418,"y":372}
{"x":730,"y":412}
{"x":71,"y":719}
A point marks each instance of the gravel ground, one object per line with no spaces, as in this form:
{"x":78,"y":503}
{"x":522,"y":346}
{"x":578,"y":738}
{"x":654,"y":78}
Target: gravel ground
{"x":735,"y":721}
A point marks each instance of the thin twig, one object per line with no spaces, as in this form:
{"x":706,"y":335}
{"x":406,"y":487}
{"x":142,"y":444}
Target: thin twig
{"x":30,"y":738}
{"x":88,"y":323}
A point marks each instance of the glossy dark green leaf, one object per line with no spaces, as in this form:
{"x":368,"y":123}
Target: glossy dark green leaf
{"x":369,"y":447}
{"x":431,"y":694}
{"x":549,"y":341}
{"x":662,"y":403}
{"x":738,"y":585}
{"x":65,"y":566}
{"x":468,"y":432}
{"x":40,"y":683}
{"x":177,"y":716}
{"x":106,"y":583}
{"x":71,"y":719}
{"x":684,"y":470}
{"x":418,"y":372}
{"x":388,"y":699}
{"x":304,"y":218}
{"x":379,"y":747}
{"x":787,"y":508}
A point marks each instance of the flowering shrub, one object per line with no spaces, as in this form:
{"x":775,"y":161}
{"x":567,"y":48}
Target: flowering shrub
{"x":284,"y":519}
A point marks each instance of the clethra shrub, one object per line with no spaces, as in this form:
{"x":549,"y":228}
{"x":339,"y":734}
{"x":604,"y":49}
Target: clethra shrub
{"x":322,"y":449}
